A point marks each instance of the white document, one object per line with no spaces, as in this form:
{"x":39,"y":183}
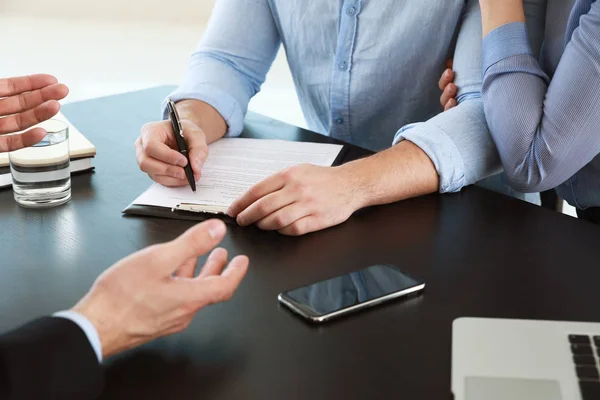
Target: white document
{"x":233,"y":166}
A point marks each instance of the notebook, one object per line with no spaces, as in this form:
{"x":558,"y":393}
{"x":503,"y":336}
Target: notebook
{"x":81,"y":149}
{"x":233,"y":166}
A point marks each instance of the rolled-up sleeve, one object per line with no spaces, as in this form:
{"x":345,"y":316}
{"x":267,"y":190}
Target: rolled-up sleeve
{"x":458,"y":144}
{"x":545,"y":130}
{"x":458,"y":141}
{"x":232,"y":60}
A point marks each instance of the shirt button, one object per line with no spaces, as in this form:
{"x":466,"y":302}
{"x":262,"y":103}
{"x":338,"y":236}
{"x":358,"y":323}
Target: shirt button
{"x":339,"y":121}
{"x":351,"y":11}
{"x":343,"y":66}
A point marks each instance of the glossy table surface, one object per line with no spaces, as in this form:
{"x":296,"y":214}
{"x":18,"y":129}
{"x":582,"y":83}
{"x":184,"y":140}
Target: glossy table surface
{"x":481,"y":254}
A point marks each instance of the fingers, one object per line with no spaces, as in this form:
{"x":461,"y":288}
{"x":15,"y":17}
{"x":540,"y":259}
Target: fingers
{"x":155,"y":168}
{"x":27,"y":119}
{"x":29,"y":100}
{"x":450,"y":104}
{"x":446,"y":78}
{"x":450,"y":92}
{"x":158,"y":156}
{"x":193,"y":243}
{"x":258,"y":191}
{"x":12,"y":86}
{"x":236,"y":270}
{"x":196,"y":142}
{"x":264,"y":207}
{"x":449,"y":89}
{"x":161,"y":152}
{"x":450,"y":63}
{"x":188,"y":269}
{"x":283,"y":217}
{"x":302,"y":227}
{"x":217,"y":289}
{"x":16,"y":142}
{"x":214,"y":264}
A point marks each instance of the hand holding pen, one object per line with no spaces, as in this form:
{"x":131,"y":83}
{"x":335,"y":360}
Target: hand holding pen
{"x":181,"y":143}
{"x":158,"y":152}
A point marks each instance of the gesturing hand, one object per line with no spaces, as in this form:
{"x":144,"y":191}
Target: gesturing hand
{"x":24,"y":102}
{"x":154,"y":293}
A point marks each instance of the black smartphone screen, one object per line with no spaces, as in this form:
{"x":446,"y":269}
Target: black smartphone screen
{"x":348,"y":290}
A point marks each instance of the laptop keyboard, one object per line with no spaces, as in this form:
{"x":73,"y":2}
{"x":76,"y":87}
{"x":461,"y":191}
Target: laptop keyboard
{"x":586,"y":356}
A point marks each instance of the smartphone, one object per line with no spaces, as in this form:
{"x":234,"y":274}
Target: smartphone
{"x":325,"y":300}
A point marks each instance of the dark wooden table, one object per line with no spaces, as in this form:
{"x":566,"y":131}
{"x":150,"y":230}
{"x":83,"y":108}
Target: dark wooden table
{"x":481,"y":254}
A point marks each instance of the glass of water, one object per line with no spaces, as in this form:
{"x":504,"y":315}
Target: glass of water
{"x":41,"y":174}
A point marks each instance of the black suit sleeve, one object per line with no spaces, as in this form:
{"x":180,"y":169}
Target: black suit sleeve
{"x":49,"y":358}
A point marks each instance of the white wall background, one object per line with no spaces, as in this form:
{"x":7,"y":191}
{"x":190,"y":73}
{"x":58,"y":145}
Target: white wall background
{"x":103,"y":47}
{"x":191,"y":11}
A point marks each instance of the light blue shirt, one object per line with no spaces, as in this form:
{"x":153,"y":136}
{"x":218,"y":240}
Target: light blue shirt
{"x":544,"y":112}
{"x":363,"y":69}
{"x":87,"y":328}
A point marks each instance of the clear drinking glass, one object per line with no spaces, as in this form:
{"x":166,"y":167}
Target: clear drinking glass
{"x":41,"y":174}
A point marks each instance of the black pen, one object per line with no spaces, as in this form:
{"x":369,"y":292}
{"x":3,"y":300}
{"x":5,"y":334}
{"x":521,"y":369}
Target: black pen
{"x":181,"y":144}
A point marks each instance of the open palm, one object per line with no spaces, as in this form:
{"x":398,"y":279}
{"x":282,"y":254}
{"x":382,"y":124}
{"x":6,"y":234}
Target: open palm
{"x":24,"y":102}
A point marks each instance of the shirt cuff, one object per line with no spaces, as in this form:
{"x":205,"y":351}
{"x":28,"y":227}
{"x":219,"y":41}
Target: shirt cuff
{"x":221,"y":101}
{"x":87,"y":328}
{"x":504,"y":42}
{"x":442,"y":151}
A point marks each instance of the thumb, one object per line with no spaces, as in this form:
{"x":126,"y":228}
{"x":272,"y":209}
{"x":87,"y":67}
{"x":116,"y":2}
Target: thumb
{"x":194,"y":243}
{"x":196,"y":141}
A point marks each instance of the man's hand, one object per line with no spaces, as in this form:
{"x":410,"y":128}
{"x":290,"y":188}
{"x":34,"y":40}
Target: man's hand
{"x":299,"y":200}
{"x":157,"y":153}
{"x":154,"y":293}
{"x":24,"y":102}
{"x":448,"y":88}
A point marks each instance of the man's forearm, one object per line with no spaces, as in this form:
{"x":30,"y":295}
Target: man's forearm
{"x":398,"y":173}
{"x":205,"y":117}
{"x":496,"y":13}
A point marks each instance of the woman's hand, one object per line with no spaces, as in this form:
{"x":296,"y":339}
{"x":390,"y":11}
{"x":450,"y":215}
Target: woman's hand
{"x":448,"y":88}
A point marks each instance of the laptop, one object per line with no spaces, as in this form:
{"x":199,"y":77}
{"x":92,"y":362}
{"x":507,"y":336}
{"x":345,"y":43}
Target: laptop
{"x":502,"y":359}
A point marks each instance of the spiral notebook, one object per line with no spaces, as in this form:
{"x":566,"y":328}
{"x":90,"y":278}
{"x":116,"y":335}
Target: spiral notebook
{"x":233,"y":166}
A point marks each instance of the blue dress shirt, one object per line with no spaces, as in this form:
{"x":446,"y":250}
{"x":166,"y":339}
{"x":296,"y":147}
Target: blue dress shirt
{"x":363,"y":69}
{"x":544,"y":113}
